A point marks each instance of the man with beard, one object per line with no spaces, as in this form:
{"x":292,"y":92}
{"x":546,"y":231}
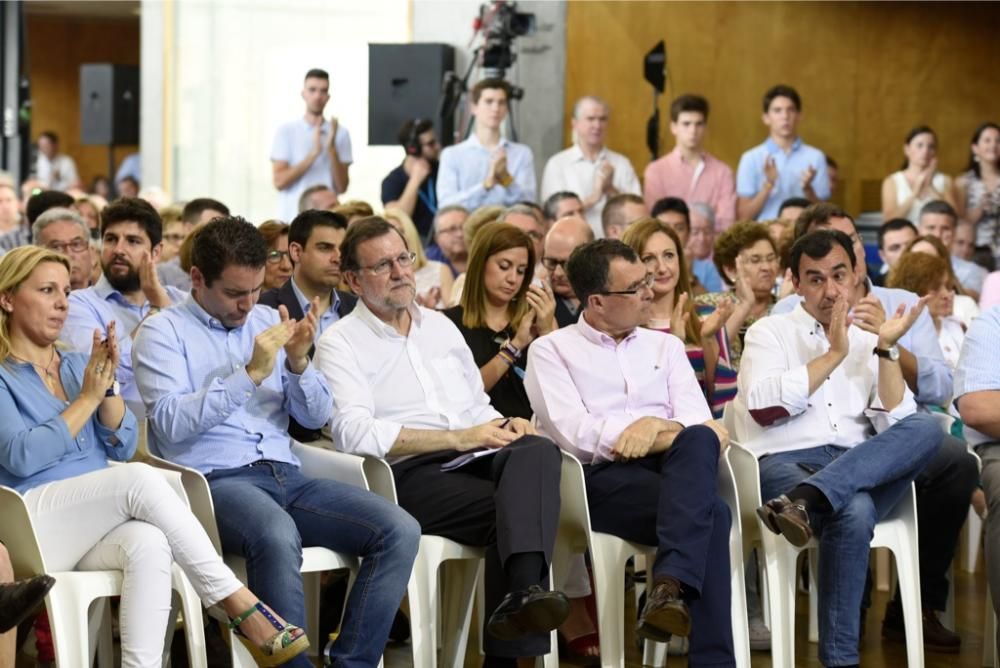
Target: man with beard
{"x":310,"y":150}
{"x":411,"y":187}
{"x":129,"y":289}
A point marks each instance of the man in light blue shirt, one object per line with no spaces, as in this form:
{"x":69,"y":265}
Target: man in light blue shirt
{"x":945,"y":485}
{"x":129,"y":289}
{"x":486,"y":168}
{"x":939,"y":219}
{"x":977,"y":396}
{"x":310,"y":151}
{"x":220,"y":377}
{"x":783,"y":166}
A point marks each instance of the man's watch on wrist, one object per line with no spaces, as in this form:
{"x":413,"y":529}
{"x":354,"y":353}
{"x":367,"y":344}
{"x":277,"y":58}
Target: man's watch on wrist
{"x":891,"y":353}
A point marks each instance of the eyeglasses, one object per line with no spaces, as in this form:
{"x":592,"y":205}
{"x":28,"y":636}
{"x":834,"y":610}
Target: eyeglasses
{"x":404,"y":260}
{"x":276,"y":256}
{"x":552,"y":264}
{"x":646,"y":283}
{"x":65,"y":247}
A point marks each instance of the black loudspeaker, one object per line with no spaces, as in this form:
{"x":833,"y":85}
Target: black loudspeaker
{"x":109,"y":104}
{"x":405,"y":82}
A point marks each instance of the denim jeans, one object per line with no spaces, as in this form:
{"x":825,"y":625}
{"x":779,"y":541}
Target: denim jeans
{"x":862,"y":484}
{"x":269,"y":511}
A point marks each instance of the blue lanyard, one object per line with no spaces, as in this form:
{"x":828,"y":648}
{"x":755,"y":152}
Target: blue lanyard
{"x":430,"y":197}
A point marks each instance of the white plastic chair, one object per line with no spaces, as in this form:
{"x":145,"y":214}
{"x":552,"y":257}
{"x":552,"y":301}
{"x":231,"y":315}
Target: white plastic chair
{"x":69,"y":601}
{"x":898,"y":532}
{"x":609,"y":554}
{"x":316,"y":463}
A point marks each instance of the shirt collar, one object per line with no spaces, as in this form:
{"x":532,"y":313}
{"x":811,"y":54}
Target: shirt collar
{"x":202,"y":316}
{"x":381,"y":328}
{"x":474,"y":141}
{"x":772,"y":147}
{"x":103,"y":289}
{"x":676,"y":155}
{"x":576,"y":153}
{"x":304,"y":303}
{"x":802,"y":317}
{"x":598,"y":337}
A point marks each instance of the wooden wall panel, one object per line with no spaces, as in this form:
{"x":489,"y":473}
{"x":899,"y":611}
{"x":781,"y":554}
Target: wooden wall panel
{"x":56,"y":47}
{"x":867,"y":72}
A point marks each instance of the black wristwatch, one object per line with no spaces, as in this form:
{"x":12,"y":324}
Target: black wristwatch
{"x":891,"y":353}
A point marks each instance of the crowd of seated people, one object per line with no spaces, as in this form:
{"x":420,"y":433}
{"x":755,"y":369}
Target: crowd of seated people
{"x":478,"y":325}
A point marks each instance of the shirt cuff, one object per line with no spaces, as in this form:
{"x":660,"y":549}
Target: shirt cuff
{"x":239,"y":386}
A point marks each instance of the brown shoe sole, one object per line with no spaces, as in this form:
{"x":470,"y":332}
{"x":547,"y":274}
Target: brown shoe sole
{"x":796,"y":534}
{"x":672,"y":620}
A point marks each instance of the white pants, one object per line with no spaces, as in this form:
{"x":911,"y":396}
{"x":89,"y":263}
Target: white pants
{"x":128,"y":518}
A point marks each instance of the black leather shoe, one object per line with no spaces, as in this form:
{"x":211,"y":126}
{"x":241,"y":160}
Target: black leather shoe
{"x":533,"y":610}
{"x":665,"y":614}
{"x":789,"y":519}
{"x":20,"y":599}
{"x":936,"y":637}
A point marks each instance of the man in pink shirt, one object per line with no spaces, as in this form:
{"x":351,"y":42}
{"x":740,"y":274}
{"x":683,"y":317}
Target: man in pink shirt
{"x":688,"y":172}
{"x":625,"y":401}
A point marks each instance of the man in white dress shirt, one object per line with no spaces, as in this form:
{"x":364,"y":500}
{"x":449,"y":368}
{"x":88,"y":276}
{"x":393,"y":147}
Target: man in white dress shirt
{"x":812,"y":388}
{"x":406,"y":388}
{"x":588,"y":168}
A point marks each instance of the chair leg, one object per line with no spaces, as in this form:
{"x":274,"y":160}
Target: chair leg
{"x":194,"y":623}
{"x":780,"y":560}
{"x":908,"y":574}
{"x":974,"y":538}
{"x":69,"y":621}
{"x":609,"y":592}
{"x":813,"y":556}
{"x":105,"y":643}
{"x":459,"y":595}
{"x":422,"y":591}
{"x":312,"y":589}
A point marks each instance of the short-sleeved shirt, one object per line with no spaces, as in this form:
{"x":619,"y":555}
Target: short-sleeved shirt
{"x":750,"y":174}
{"x":393,"y":186}
{"x":292,"y":143}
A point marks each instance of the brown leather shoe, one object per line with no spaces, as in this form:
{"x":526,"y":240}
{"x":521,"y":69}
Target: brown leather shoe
{"x":936,"y":637}
{"x":665,"y":614}
{"x":789,"y":519}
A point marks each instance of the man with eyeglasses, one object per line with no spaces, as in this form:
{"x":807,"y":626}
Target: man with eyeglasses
{"x":412,"y":186}
{"x":449,"y":241}
{"x":625,"y":401}
{"x":406,"y":388}
{"x":528,"y":220}
{"x":945,"y":485}
{"x":64,"y":231}
{"x":128,"y":291}
{"x":565,"y":236}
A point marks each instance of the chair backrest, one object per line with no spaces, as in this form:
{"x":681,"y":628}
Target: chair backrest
{"x":320,"y":460}
{"x":746,"y":475}
{"x":18,"y":535}
{"x":380,"y":478}
{"x":199,"y":496}
{"x":574,"y":514}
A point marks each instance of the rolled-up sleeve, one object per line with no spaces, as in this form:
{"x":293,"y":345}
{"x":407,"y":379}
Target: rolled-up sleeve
{"x":773,"y":391}
{"x":120,"y":443}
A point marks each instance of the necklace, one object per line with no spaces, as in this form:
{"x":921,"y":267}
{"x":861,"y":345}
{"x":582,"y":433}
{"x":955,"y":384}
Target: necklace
{"x":46,"y":370}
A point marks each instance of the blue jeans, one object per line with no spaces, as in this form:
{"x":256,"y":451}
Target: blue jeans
{"x":862,"y":484}
{"x":269,"y":511}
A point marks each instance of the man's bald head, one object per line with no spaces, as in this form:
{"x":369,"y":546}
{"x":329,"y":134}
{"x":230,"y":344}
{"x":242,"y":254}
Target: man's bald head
{"x":565,"y":235}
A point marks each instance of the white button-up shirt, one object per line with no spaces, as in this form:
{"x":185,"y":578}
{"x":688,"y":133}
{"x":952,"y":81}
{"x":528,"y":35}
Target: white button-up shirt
{"x":774,"y":410}
{"x":571,"y":170}
{"x":383,"y":381}
{"x":586,"y":388}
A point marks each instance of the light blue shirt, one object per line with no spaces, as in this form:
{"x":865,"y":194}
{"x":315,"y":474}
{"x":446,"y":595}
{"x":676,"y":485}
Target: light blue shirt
{"x":969,"y":274}
{"x":464,"y":167}
{"x":934,"y":376}
{"x":292,"y":144}
{"x":330,"y":316}
{"x":708,"y":275}
{"x":979,"y":365}
{"x":204,"y":411}
{"x":35,"y":444}
{"x":750,"y":174}
{"x":97,"y":307}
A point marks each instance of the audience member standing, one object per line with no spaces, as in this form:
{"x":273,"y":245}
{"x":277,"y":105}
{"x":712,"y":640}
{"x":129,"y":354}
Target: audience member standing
{"x":978,"y":188}
{"x":783,"y":166}
{"x":588,"y":167}
{"x":310,"y":150}
{"x":905,"y":192}
{"x":412,"y":186}
{"x":220,"y":377}
{"x":486,"y":168}
{"x":55,"y":170}
{"x":406,"y":388}
{"x":689,"y":172}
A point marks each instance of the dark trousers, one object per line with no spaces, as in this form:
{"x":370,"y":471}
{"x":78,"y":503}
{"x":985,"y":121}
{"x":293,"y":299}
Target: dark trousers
{"x":671,"y":500}
{"x":507,"y":503}
{"x":944,"y":490}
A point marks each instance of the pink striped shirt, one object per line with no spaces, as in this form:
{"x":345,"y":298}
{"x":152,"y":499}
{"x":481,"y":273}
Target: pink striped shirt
{"x":710,"y":181}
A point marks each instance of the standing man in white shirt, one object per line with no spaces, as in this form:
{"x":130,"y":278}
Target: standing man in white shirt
{"x":486,"y":168}
{"x":588,"y":168}
{"x":812,"y":387}
{"x":406,"y":388}
{"x":310,"y":150}
{"x":55,"y":170}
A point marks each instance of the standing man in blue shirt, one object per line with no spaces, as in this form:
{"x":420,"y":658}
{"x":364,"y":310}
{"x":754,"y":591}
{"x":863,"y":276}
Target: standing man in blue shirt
{"x":129,"y":289}
{"x":310,"y":150}
{"x":783,"y":166}
{"x":487,"y":168}
{"x":220,"y":377}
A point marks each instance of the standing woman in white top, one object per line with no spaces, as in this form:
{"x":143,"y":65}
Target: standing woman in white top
{"x":918,"y":182}
{"x":978,"y":189}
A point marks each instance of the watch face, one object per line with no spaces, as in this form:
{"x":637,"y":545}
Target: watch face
{"x":894,"y":353}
